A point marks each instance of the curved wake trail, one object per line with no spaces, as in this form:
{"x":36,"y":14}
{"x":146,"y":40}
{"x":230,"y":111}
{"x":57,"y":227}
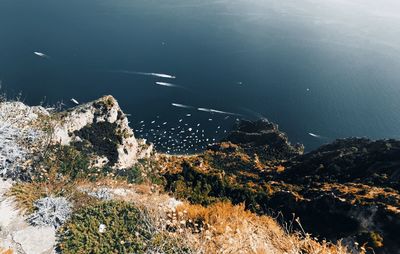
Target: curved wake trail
{"x":210,"y":110}
{"x":167,"y":84}
{"x":158,"y":75}
{"x":181,"y":105}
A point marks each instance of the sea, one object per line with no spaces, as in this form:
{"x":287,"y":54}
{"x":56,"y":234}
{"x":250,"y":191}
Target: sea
{"x":186,"y":71}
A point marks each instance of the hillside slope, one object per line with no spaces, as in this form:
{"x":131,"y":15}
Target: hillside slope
{"x":83,"y":176}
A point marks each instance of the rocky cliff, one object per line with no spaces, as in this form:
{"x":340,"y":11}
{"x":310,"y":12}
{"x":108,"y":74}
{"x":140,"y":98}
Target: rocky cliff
{"x":345,"y":191}
{"x":263,"y":138}
{"x":99,"y":129}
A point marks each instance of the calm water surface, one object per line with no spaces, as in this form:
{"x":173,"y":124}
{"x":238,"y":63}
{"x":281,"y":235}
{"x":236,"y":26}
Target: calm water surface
{"x":327,"y":67}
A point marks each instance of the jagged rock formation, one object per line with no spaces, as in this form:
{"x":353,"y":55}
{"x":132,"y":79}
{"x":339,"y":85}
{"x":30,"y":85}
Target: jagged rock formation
{"x":100,"y":127}
{"x":265,"y":139}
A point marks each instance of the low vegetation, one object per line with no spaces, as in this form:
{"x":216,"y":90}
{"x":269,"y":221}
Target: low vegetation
{"x":109,"y":227}
{"x":225,"y":228}
{"x":216,"y":202}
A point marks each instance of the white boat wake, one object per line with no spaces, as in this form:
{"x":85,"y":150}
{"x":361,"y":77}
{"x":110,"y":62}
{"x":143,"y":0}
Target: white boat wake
{"x":40,"y":54}
{"x":210,"y":110}
{"x":167,"y":84}
{"x":180,"y":105}
{"x":158,"y":75}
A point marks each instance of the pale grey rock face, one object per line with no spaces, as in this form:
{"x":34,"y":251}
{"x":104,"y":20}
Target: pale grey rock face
{"x":102,"y":125}
{"x":17,"y":234}
{"x":36,"y":240}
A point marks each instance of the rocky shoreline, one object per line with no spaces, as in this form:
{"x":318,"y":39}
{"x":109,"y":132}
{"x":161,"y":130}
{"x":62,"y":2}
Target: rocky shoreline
{"x":346,"y":191}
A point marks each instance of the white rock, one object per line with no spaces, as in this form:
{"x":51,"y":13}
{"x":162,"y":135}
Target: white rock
{"x":36,"y":240}
{"x":15,"y":232}
{"x":105,"y":109}
{"x":102,"y":228}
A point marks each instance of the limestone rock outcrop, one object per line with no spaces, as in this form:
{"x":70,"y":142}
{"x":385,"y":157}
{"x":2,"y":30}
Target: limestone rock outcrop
{"x":100,"y":127}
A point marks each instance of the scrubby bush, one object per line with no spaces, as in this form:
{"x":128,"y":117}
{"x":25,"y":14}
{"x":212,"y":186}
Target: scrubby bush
{"x":117,"y":227}
{"x":133,"y":175}
{"x":72,"y":162}
{"x":125,"y":230}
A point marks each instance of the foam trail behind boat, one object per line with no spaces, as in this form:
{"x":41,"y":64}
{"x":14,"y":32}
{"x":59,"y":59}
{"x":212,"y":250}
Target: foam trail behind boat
{"x":180,"y":105}
{"x":167,"y":84}
{"x":159,"y":75}
{"x":210,"y":110}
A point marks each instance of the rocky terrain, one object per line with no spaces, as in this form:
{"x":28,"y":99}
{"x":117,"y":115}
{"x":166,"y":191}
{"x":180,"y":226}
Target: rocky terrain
{"x":348,"y":189}
{"x":81,"y":175}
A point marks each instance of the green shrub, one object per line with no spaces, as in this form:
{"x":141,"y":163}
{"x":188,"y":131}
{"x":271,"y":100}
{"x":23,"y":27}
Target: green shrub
{"x":132,"y":175}
{"x":125,"y":232}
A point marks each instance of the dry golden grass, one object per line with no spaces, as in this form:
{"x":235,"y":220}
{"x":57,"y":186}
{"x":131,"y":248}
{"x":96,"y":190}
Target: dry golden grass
{"x":220,"y":228}
{"x":232,"y":229}
{"x":25,"y":194}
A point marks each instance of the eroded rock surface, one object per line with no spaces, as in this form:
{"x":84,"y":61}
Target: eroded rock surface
{"x":101,"y":128}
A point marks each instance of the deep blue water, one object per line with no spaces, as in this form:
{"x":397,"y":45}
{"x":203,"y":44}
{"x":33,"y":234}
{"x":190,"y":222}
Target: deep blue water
{"x":327,"y":67}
